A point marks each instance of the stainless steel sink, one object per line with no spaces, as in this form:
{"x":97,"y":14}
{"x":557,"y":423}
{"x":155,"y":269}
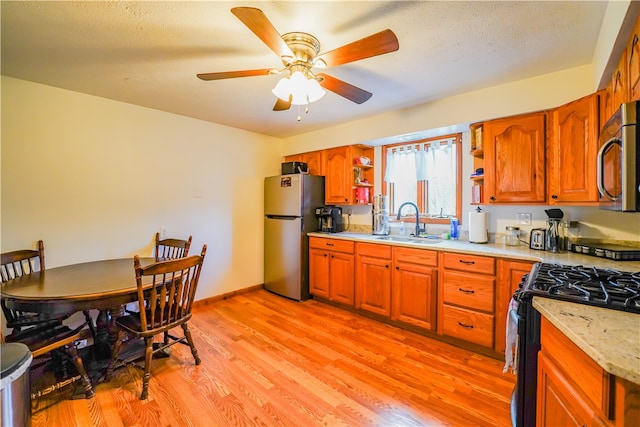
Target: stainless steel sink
{"x":404,"y":239}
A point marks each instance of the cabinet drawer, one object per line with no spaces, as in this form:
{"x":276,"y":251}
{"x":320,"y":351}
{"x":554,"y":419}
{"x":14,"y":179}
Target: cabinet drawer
{"x":336,"y":245}
{"x":373,"y":250}
{"x":468,"y":325}
{"x":469,"y":290}
{"x":416,"y":256}
{"x":469,"y":263}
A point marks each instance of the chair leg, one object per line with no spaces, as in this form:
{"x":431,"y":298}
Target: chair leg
{"x":187,"y":334}
{"x":147,"y":367}
{"x":114,"y":355}
{"x":77,"y":361}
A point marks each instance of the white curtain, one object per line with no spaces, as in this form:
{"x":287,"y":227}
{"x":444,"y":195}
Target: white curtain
{"x":434,"y":163}
{"x":401,"y":165}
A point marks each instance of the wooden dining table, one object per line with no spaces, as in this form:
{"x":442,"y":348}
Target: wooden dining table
{"x":105,"y":285}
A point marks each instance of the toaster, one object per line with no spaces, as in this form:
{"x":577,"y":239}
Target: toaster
{"x":537,"y":238}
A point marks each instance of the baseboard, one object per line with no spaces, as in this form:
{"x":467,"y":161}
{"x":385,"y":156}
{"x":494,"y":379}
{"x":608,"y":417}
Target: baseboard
{"x":211,"y":300}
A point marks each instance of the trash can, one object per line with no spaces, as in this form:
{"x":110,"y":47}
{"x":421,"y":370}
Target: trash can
{"x":14,"y":385}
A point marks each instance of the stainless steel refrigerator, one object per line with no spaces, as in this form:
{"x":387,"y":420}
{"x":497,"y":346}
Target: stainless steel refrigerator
{"x":289,"y":214}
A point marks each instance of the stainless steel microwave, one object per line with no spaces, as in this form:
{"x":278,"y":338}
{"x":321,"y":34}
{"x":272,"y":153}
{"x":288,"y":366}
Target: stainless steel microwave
{"x":618,"y":174}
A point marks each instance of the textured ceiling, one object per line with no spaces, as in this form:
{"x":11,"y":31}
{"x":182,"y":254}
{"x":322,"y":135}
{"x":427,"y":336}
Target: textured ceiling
{"x":148,"y":53}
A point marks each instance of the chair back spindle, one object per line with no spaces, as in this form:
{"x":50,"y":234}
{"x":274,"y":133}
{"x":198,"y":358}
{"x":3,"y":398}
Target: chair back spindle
{"x":167,"y":249}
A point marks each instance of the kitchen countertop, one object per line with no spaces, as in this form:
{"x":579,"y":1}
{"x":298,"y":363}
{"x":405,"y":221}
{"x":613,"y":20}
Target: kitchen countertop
{"x":610,"y":337}
{"x":521,"y":252}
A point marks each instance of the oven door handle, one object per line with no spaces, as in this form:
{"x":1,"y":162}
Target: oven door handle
{"x":600,"y":167}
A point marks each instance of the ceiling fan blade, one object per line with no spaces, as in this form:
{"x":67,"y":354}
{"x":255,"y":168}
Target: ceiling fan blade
{"x":282,"y":105}
{"x":234,"y":74}
{"x":344,"y":89}
{"x":376,"y":44}
{"x":258,"y":22}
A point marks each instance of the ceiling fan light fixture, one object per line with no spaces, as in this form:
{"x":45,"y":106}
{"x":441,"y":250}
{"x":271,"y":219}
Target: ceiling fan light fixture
{"x":282,"y":89}
{"x":314,"y":90}
{"x":299,"y":88}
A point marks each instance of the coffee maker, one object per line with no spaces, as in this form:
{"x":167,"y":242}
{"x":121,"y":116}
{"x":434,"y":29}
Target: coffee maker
{"x":330,"y":219}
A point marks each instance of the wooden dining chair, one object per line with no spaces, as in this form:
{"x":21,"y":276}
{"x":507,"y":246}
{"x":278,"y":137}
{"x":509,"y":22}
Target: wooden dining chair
{"x":16,"y":264}
{"x":46,"y":341}
{"x":171,"y":248}
{"x":19,"y":263}
{"x":168,"y":305}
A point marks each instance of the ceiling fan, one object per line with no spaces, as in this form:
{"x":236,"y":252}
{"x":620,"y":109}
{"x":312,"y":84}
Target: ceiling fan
{"x":299,"y":53}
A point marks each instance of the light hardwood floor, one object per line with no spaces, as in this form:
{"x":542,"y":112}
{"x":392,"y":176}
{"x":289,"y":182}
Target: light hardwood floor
{"x":269,"y":361}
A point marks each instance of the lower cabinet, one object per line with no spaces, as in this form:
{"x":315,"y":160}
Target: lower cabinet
{"x":414,"y":287}
{"x":398,"y":283}
{"x":457,"y":295}
{"x":467,"y":305}
{"x":510,"y":273}
{"x":331,"y":269}
{"x":373,"y":278}
{"x":572,"y":389}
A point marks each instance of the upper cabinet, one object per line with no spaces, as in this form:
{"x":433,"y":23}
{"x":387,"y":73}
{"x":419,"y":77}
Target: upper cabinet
{"x":514,"y":159}
{"x":337,"y":184}
{"x":348,"y":172}
{"x":314,"y":160}
{"x":633,"y":63}
{"x":572,"y":150}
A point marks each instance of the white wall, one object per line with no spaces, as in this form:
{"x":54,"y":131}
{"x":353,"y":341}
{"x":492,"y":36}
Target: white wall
{"x":95,"y":179}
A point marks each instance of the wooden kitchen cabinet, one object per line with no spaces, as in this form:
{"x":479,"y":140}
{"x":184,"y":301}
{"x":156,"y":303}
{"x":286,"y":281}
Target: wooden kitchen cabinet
{"x":559,"y":403}
{"x":373,"y":278}
{"x":414,"y":287}
{"x":514,"y":159}
{"x":331,"y":269}
{"x":313,"y":159}
{"x":343,"y":176}
{"x":510,"y":274}
{"x":338,"y":176}
{"x":572,"y":150}
{"x":633,"y":62}
{"x":572,"y":388}
{"x":467,"y":304}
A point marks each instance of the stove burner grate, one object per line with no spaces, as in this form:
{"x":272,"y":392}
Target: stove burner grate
{"x":588,"y":285}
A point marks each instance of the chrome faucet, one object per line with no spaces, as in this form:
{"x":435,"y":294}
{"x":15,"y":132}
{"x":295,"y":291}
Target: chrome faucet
{"x":417,"y":215}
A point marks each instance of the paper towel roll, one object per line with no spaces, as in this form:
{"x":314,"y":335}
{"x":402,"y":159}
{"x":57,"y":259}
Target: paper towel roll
{"x":478,"y":227}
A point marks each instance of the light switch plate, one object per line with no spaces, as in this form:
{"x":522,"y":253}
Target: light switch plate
{"x":524,"y":218}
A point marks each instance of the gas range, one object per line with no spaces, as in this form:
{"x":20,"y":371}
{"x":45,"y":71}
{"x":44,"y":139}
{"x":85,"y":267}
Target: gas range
{"x":608,"y":288}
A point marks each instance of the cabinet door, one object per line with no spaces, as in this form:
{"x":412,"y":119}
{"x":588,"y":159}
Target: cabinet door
{"x":619,"y":81}
{"x":373,"y":285}
{"x":319,"y":272}
{"x":338,"y":176}
{"x":633,"y":64}
{"x":509,"y":277}
{"x":558,"y":402}
{"x":414,"y":294}
{"x":573,"y":147}
{"x":341,"y":278}
{"x":315,"y":162}
{"x":514,"y":159}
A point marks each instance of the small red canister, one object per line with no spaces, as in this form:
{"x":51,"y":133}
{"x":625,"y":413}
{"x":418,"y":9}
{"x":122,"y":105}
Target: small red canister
{"x":362,"y":195}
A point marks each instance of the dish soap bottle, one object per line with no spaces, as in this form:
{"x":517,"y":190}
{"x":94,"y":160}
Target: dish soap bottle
{"x":453,"y":232}
{"x":402,"y":231}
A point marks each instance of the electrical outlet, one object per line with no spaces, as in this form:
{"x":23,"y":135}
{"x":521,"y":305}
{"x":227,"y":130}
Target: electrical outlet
{"x":349,"y":212}
{"x":524,"y":218}
{"x":163,"y":232}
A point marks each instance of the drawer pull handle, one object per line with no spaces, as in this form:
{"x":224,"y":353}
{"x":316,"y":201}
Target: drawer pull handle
{"x":330,"y":244}
{"x":466,"y":262}
{"x":465,"y":326}
{"x":467,"y":291}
